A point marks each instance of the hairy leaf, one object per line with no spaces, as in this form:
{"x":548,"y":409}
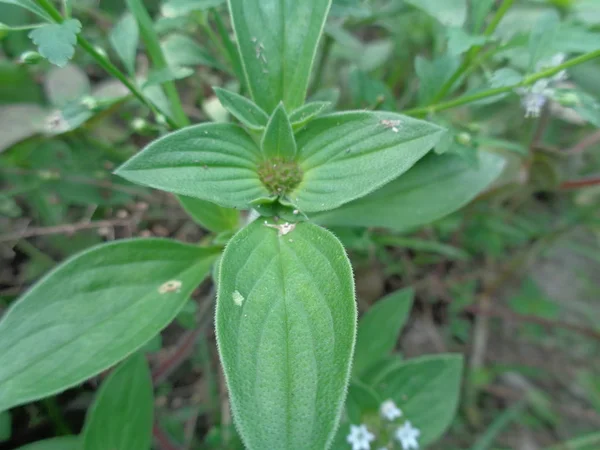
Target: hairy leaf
{"x":434,"y":188}
{"x":242,"y":109}
{"x":92,"y":311}
{"x":285,"y":322}
{"x":278,"y":139}
{"x":121,"y":416}
{"x":306,"y":113}
{"x":345,"y":156}
{"x":278,"y":41}
{"x":379,"y":329}
{"x":56,"y":41}
{"x":214,"y":162}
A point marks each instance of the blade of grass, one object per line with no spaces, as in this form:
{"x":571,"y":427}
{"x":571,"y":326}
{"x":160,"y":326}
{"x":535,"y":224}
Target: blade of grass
{"x":502,"y":421}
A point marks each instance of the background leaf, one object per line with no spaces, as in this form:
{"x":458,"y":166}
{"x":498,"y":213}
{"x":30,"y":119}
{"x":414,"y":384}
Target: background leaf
{"x":59,"y":443}
{"x":124,"y":38}
{"x":345,"y":156}
{"x":56,"y":41}
{"x":213,"y":162}
{"x":285,"y":324}
{"x":122,"y":413}
{"x":426,"y":390}
{"x":278,"y":41}
{"x":30,"y":5}
{"x":379,"y":329}
{"x":101,"y":305}
{"x":437,"y":186}
{"x":212,"y":217}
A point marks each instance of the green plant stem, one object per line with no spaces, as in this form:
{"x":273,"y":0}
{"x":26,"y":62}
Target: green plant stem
{"x":472,"y":54}
{"x":527,"y":81}
{"x":159,"y":61}
{"x":104,"y":62}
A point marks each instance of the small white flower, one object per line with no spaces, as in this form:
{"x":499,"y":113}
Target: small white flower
{"x":407,"y":436}
{"x":360,"y":437}
{"x":389,"y":410}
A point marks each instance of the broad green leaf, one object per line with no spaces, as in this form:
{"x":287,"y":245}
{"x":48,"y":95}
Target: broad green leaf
{"x":542,"y":39}
{"x":434,"y":188}
{"x":278,"y":141}
{"x":459,"y":41}
{"x":56,"y":41}
{"x":31,"y":6}
{"x":212,"y":217}
{"x":433,"y":74}
{"x":174,"y":8}
{"x":167,"y":74}
{"x":379,"y":329}
{"x":362,"y":400}
{"x":102,"y":305}
{"x":423,"y":245}
{"x":306,"y":113}
{"x":59,"y":443}
{"x":345,"y":156}
{"x":122,"y":413}
{"x":124,"y":38}
{"x":214,"y":162}
{"x":181,"y":50}
{"x":447,"y":12}
{"x":285,"y":323}
{"x":242,"y":109}
{"x":278,"y":41}
{"x":478,"y":11}
{"x":370,"y":93}
{"x":426,"y":390}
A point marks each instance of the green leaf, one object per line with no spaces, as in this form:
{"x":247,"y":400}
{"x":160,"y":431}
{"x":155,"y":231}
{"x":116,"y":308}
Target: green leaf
{"x":448,"y":12}
{"x":124,"y":38}
{"x":370,"y":93}
{"x":307,"y":112}
{"x":56,"y":41}
{"x":278,"y":139}
{"x":181,"y":50}
{"x":212,"y":217}
{"x":543,"y":37}
{"x":459,"y":41}
{"x":214,"y":162}
{"x":379,"y":329}
{"x":362,"y":400}
{"x":174,"y":8}
{"x":433,"y":74}
{"x":30,"y":5}
{"x":345,"y":156}
{"x":59,"y":443}
{"x":122,"y":413}
{"x":434,"y":188}
{"x":102,"y":305}
{"x":423,"y":245}
{"x":167,"y":74}
{"x":426,"y":390}
{"x":242,"y":109}
{"x":285,"y":322}
{"x":278,"y":41}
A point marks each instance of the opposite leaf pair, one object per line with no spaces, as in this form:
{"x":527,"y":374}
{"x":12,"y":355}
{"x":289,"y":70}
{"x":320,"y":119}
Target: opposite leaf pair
{"x":332,"y":160}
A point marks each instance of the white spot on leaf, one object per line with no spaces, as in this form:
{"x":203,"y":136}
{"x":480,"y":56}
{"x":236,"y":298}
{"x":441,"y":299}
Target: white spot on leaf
{"x":238,"y":298}
{"x":170,"y":286}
